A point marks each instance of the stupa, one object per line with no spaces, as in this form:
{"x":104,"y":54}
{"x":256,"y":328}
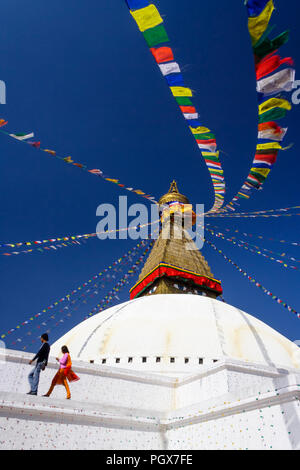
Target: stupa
{"x":173,"y":368}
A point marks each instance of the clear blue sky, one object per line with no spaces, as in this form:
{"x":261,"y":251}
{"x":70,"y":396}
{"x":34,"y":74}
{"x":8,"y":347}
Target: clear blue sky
{"x":80,"y":75}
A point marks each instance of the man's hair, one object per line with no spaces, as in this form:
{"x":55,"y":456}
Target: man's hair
{"x":45,"y":336}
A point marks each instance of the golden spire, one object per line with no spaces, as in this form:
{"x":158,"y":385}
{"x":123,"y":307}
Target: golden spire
{"x":175,"y":265}
{"x":173,"y":195}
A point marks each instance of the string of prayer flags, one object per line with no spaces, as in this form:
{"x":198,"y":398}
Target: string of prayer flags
{"x":88,"y":292}
{"x":111,"y":296}
{"x":254,"y":281}
{"x":238,"y":215}
{"x":251,"y":235}
{"x":71,"y":237}
{"x":264,"y":213}
{"x":274,"y":76}
{"x":248,"y":247}
{"x":67,"y":297}
{"x":97,"y":172}
{"x":150,"y":23}
{"x":52,"y":247}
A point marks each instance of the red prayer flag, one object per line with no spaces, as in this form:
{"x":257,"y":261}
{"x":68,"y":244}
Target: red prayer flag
{"x":35,"y":144}
{"x":188,"y":109}
{"x":268,"y":158}
{"x":210,"y":141}
{"x":270,"y":64}
{"x":162,"y":54}
{"x":269,"y":125}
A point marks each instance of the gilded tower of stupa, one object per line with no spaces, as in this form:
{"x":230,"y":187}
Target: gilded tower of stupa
{"x":175,"y":265}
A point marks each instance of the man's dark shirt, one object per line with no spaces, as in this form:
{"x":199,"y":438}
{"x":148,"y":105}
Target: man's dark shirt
{"x":43,"y":354}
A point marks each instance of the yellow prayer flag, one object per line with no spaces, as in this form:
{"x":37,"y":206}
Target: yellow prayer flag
{"x":274,"y":103}
{"x":111,"y":180}
{"x":258,"y":25}
{"x":147,"y":17}
{"x":269,"y":146}
{"x":261,"y":171}
{"x":181,"y":91}
{"x":199,"y":130}
{"x":211,"y":154}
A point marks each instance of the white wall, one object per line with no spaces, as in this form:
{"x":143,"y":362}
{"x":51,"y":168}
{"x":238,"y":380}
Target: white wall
{"x":229,"y":405}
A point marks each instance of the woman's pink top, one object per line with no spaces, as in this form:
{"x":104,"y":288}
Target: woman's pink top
{"x":63,"y":361}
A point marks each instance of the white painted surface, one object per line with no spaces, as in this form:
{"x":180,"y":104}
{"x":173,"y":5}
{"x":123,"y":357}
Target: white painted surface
{"x":182,"y":330}
{"x":224,"y":380}
{"x":228,"y":405}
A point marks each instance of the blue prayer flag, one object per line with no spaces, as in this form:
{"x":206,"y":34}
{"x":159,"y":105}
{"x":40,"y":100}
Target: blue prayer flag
{"x":137,"y":4}
{"x":175,"y":79}
{"x":255,"y":7}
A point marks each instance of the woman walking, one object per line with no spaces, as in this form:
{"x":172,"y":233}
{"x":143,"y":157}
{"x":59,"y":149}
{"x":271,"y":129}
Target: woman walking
{"x":63,"y":374}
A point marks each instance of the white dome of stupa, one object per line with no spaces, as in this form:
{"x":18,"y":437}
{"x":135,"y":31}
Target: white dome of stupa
{"x":176,"y":333}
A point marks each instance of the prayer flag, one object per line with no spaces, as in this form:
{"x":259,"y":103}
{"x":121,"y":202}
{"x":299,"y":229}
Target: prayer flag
{"x":269,"y":146}
{"x":155,"y":36}
{"x":207,"y":145}
{"x":191,"y":116}
{"x":162,"y":54}
{"x":22,"y":136}
{"x":188,"y":109}
{"x":199,"y":130}
{"x":274,"y":103}
{"x":183,"y":101}
{"x":147,"y":17}
{"x":273,"y":114}
{"x":278,"y":82}
{"x":267,"y":45}
{"x":181,"y":91}
{"x":271,"y":134}
{"x":52,"y":152}
{"x":175,"y":79}
{"x":171,"y":67}
{"x":269,"y":64}
{"x":35,"y":144}
{"x":258,"y":25}
{"x":136,"y":4}
{"x":255,"y":7}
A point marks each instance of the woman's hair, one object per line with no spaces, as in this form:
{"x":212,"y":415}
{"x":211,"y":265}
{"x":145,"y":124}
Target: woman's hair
{"x":64,"y":349}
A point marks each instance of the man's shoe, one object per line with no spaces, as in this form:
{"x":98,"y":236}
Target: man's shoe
{"x":32,"y":393}
{"x":46,"y":395}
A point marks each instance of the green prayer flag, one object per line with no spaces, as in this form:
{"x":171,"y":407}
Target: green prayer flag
{"x":258,"y":176}
{"x":272,"y":115}
{"x":155,"y":36}
{"x":183,"y":101}
{"x":268,"y":45}
{"x":212,"y":159}
{"x":205,"y":136}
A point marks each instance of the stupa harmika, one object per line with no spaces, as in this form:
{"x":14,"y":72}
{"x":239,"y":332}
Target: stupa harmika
{"x":173,"y":368}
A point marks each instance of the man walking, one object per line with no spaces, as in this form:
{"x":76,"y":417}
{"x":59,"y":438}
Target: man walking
{"x":42,"y":361}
